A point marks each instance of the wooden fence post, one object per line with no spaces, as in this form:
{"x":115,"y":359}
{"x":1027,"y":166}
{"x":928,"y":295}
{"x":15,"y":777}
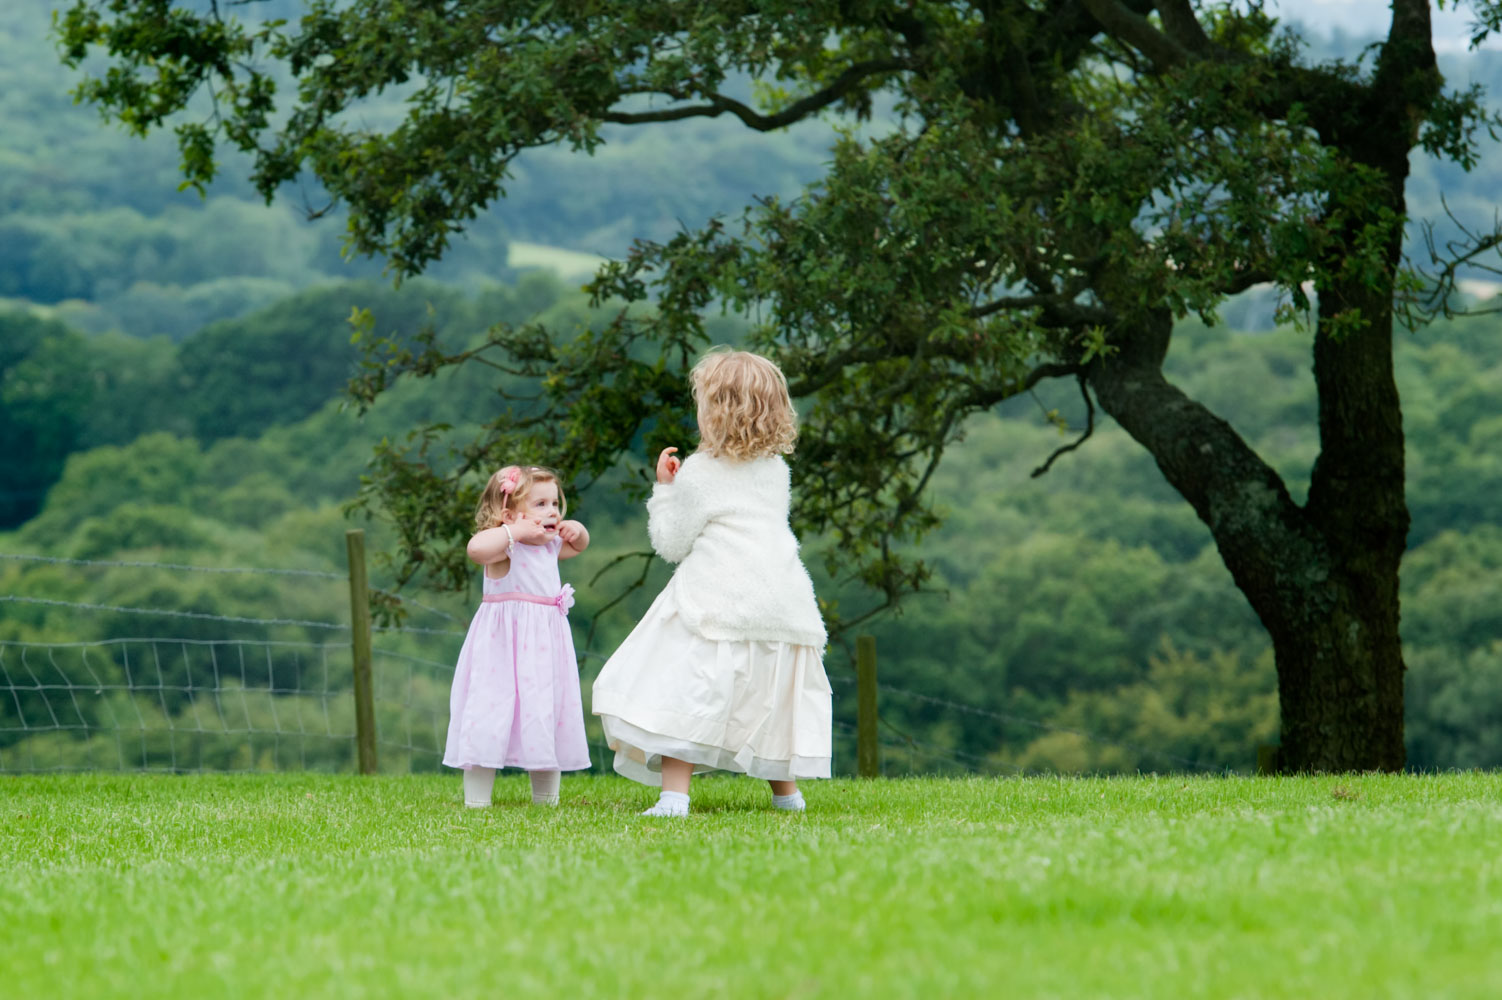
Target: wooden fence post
{"x":867,"y":750}
{"x":359,"y":617}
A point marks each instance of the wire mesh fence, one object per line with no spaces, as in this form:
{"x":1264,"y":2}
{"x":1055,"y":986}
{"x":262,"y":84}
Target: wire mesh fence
{"x":240,"y":704}
{"x":182,"y":705}
{"x":160,"y":704}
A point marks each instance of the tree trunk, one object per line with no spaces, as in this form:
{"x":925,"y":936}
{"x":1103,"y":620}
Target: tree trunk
{"x":1341,"y":687}
{"x":1340,"y":664}
{"x":1323,"y":582}
{"x":1340,"y":677}
{"x":1323,"y":577}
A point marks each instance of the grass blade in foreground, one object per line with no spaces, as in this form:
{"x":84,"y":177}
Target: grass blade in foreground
{"x":328,"y":886}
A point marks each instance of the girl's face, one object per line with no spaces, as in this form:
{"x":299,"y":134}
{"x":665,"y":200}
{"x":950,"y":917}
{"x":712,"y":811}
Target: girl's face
{"x":541,"y":505}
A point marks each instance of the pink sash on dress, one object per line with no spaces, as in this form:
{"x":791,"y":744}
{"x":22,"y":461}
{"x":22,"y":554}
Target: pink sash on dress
{"x":562,"y":602}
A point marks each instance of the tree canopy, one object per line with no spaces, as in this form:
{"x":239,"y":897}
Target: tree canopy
{"x":1081,"y":621}
{"x":1061,"y":183}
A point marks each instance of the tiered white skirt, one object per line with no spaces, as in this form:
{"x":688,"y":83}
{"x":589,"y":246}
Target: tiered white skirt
{"x":757,"y":707}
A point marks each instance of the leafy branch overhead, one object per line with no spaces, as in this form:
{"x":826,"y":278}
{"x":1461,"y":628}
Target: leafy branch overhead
{"x":1049,"y":187}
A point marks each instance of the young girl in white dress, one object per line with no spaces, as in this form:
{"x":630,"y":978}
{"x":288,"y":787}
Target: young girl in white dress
{"x":515,"y":700}
{"x":725,"y":670}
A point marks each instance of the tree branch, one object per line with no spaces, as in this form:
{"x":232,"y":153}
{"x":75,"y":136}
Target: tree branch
{"x":1051,"y":370}
{"x":1060,"y":305}
{"x":793,"y":113}
{"x":1245,"y":503}
{"x":1182,"y":26}
{"x":1137,"y":31}
{"x":1242,"y":280}
{"x":647,"y":559}
{"x":1089,"y":429}
{"x":1457,"y":254}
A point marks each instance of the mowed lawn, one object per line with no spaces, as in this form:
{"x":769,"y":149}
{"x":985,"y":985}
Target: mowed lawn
{"x":338,"y":886}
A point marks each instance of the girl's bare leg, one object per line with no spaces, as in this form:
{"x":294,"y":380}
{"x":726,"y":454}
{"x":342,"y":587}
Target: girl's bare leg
{"x":676,"y":775}
{"x":673,"y":801}
{"x":785,"y":796}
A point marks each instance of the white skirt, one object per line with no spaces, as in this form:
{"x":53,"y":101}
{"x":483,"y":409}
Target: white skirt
{"x":757,"y":707}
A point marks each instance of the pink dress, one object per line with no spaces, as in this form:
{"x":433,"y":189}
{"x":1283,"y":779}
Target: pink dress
{"x":515,"y":700}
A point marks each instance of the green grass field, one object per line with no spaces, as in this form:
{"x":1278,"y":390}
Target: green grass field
{"x":337,"y":886}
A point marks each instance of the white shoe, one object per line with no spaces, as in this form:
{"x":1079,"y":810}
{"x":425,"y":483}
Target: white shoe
{"x":669,"y":804}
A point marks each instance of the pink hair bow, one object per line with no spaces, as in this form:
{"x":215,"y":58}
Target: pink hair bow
{"x":510,"y":477}
{"x":564,"y":600}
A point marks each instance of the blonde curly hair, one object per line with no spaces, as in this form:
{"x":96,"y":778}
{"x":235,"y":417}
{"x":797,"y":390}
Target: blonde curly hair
{"x":745,"y":411}
{"x":507,"y":491}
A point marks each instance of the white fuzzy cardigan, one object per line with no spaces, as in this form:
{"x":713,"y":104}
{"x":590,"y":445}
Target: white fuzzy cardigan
{"x":739,"y":577}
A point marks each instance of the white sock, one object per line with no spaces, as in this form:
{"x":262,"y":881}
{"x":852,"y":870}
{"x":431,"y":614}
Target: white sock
{"x":478,"y":782}
{"x":544,"y":787}
{"x":789,"y":803}
{"x":669,"y":804}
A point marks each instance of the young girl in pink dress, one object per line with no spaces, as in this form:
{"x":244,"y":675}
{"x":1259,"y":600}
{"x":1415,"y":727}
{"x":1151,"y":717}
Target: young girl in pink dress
{"x":725,"y":670}
{"x":515,"y":700}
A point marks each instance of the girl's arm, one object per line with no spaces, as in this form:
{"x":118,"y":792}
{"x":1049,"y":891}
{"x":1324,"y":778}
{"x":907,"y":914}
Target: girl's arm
{"x":575,"y":539}
{"x":677,"y":512}
{"x":493,"y":545}
{"x":489,"y":547}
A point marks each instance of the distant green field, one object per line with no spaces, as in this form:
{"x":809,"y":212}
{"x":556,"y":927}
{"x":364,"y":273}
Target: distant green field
{"x":569,"y":264}
{"x":317,"y":886}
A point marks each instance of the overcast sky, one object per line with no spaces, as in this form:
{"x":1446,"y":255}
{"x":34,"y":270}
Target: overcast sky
{"x":1452,"y":27}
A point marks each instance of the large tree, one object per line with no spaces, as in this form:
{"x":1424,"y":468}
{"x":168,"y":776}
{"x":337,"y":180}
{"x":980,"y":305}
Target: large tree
{"x":1056,"y":184}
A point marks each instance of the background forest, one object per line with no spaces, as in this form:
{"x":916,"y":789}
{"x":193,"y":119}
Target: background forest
{"x":172,"y":373}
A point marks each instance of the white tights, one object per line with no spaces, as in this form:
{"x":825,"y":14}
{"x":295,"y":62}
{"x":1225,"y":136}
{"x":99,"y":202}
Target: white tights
{"x":545,"y":787}
{"x":479,"y":781}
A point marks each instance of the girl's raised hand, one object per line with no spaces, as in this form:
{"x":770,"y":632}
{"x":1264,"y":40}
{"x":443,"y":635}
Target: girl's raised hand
{"x":573,"y":534}
{"x":667,"y":466}
{"x":528,"y":532}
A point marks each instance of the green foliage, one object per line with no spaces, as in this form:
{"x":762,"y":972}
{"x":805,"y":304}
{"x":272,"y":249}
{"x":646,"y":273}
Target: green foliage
{"x":948,"y":249}
{"x":44,"y":400}
{"x":97,"y":255}
{"x":284,"y":362}
{"x":1047,"y":609}
{"x":1185,"y":709}
{"x":267,"y":497}
{"x":61,"y":392}
{"x":96,"y":212}
{"x":63,"y":178}
{"x":1055,"y":213}
{"x":612,"y":385}
{"x":134,"y":382}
